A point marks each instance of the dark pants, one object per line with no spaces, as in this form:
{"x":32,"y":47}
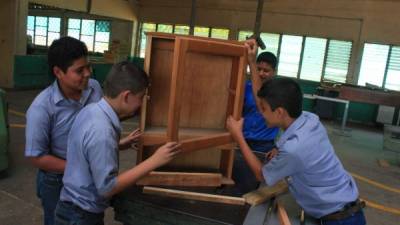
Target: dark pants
{"x":70,"y":214}
{"x":48,"y":190}
{"x":245,"y":180}
{"x":357,"y":218}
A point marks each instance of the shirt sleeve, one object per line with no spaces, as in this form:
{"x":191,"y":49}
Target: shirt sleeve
{"x":102,"y":155}
{"x":281,"y":166}
{"x":37,"y":132}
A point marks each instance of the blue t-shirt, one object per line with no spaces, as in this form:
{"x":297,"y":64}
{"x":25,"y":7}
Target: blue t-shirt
{"x":255,"y":127}
{"x":316,"y":177}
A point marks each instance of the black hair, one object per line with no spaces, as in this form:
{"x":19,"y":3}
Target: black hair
{"x":269,"y":58}
{"x":64,"y":51}
{"x":283,"y":92}
{"x":125,"y":76}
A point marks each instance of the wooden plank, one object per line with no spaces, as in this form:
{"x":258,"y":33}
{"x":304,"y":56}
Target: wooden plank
{"x":282,"y":215}
{"x":153,"y":139}
{"x":265,"y":193}
{"x":194,"y":196}
{"x":176,"y":89}
{"x":226,"y":164}
{"x":239,"y":97}
{"x":205,"y":142}
{"x":182,"y":179}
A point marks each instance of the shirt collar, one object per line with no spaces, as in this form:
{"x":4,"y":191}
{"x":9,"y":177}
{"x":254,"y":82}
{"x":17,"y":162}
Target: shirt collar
{"x":109,"y":111}
{"x":298,"y":123}
{"x":58,"y":96}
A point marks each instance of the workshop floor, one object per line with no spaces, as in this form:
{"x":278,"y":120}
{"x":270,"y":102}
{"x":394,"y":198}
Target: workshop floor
{"x":358,"y":153}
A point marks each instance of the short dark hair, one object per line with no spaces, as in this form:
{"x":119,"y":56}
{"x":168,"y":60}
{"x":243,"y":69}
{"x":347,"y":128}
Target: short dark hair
{"x":64,"y":51}
{"x":283,"y":92}
{"x":269,"y":58}
{"x":125,"y":76}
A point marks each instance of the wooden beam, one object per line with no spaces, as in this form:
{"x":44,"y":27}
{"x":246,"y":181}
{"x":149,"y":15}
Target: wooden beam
{"x":182,"y":179}
{"x":194,"y":196}
{"x":282,"y":215}
{"x":205,"y":142}
{"x":153,"y":139}
{"x":265,"y":193}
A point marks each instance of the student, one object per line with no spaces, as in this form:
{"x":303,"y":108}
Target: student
{"x":91,"y":175}
{"x":305,"y":156}
{"x":257,"y":134}
{"x":50,"y":116}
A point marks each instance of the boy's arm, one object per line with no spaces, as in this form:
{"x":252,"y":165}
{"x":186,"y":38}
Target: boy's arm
{"x":37,"y":141}
{"x":162,"y":156}
{"x":235,"y":128}
{"x":256,"y":81}
{"x":48,"y":163}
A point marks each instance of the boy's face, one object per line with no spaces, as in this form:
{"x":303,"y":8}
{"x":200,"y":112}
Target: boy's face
{"x":77,"y":75}
{"x":265,"y":71}
{"x":272,"y":117}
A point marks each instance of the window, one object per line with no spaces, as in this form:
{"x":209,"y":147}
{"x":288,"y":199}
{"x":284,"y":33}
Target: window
{"x":319,"y":57}
{"x":337,"y":60}
{"x":380,"y":66}
{"x":271,"y":42}
{"x":243,"y":35}
{"x":289,"y":57}
{"x":313,"y":59}
{"x":94,"y":33}
{"x":146,"y":27}
{"x":220,"y":33}
{"x":181,"y":29}
{"x":392,"y":81}
{"x":202,"y":31}
{"x":164,"y":28}
{"x":43,"y":30}
{"x":178,"y":29}
{"x":373,"y":64}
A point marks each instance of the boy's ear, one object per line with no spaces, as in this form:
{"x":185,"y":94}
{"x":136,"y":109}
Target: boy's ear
{"x":125,"y":95}
{"x":57,"y":71}
{"x":281,"y":112}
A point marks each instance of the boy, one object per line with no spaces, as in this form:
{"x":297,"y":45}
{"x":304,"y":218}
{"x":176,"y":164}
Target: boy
{"x":91,"y":174}
{"x":305,"y":156}
{"x":51,"y":114}
{"x":257,"y":134}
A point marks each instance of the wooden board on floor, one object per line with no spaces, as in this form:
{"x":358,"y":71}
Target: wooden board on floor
{"x":194,"y":196}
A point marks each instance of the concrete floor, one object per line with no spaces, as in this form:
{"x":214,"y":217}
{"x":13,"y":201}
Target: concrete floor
{"x":358,"y":153}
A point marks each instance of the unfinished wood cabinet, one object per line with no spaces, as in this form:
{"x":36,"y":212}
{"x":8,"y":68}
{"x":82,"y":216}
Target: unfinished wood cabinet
{"x":195,"y":83}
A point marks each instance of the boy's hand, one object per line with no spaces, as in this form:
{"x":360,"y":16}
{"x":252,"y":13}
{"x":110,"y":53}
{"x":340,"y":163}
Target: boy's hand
{"x":271,"y":154}
{"x":251,"y":46}
{"x":166,"y":153}
{"x":235,"y":127}
{"x":127,"y":141}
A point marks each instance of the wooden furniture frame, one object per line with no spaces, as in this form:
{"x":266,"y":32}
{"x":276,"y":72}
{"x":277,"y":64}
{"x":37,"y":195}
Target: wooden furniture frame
{"x":196,"y":83}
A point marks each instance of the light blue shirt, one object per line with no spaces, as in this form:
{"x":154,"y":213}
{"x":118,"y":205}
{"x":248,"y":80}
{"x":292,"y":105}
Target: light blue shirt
{"x":92,"y":160}
{"x":49,"y":119}
{"x":316,"y":177}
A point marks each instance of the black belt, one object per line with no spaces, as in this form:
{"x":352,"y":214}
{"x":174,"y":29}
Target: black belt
{"x":348,"y":210}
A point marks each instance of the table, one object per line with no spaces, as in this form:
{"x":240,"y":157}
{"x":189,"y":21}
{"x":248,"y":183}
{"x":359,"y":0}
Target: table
{"x":343,"y":131}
